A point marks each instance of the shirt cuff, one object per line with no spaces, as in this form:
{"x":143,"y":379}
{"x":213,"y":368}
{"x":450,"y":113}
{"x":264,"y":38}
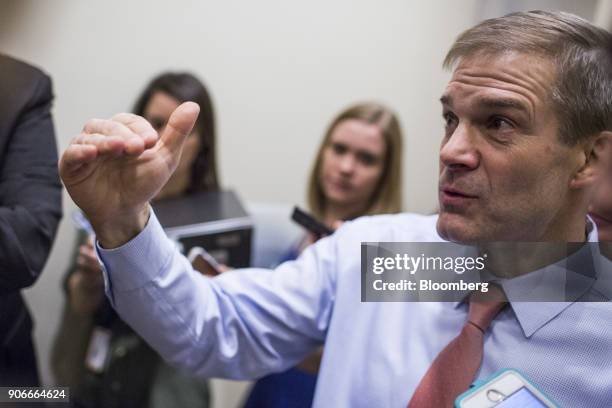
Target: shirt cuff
{"x":137,"y":262}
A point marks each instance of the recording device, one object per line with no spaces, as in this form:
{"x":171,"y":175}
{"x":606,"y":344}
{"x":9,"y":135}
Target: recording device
{"x":203,"y":262}
{"x":310,"y":223}
{"x":505,"y":389}
{"x":215,"y":220}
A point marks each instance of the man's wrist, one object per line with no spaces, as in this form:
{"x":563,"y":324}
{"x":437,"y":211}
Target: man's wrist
{"x":115,"y":233}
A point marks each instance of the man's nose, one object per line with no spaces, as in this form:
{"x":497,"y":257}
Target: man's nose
{"x":458,"y":152}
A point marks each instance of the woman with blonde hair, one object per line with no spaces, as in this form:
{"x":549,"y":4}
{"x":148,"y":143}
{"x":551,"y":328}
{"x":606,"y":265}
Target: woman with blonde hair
{"x":375,"y":130}
{"x":357,"y":171}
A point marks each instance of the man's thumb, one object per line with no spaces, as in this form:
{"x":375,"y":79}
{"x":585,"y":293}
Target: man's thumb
{"x":179,"y":125}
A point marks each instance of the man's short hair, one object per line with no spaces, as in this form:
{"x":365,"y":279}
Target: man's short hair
{"x":581,"y":93}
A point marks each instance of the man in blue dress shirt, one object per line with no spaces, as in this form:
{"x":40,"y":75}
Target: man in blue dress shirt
{"x":528,"y":121}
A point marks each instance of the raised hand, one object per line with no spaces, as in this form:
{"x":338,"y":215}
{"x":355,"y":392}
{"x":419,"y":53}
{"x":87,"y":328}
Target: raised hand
{"x":115,"y":166}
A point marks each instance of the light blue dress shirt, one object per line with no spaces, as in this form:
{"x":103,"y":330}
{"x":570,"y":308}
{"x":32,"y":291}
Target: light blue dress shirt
{"x":250,"y":322}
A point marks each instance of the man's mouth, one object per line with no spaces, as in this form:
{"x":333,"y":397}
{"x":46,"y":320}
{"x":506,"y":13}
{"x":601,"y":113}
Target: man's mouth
{"x":455,"y":192}
{"x":451,"y":196}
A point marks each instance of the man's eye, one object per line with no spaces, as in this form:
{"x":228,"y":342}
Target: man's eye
{"x":500,"y":123}
{"x":450,"y":120}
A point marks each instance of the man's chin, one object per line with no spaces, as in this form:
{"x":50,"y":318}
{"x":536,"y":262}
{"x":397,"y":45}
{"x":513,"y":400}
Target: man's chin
{"x":456,"y":228}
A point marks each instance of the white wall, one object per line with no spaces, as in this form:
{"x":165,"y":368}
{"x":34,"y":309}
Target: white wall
{"x":583,"y":8}
{"x":603,"y":14}
{"x":278,"y":72}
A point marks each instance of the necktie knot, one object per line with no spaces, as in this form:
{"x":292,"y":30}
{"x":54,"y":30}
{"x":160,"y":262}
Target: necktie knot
{"x":484,"y":306}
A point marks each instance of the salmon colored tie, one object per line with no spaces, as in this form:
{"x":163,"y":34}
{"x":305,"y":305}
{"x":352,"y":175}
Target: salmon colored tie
{"x":455,"y":367}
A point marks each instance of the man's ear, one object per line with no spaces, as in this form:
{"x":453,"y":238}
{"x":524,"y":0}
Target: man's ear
{"x":597,"y":160}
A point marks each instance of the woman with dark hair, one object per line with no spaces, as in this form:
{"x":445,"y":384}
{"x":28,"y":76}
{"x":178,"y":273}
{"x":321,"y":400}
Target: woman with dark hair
{"x":169,"y":90}
{"x":103,"y":361}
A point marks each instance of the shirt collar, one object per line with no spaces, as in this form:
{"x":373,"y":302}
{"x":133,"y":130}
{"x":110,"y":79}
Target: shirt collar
{"x":581,"y":270}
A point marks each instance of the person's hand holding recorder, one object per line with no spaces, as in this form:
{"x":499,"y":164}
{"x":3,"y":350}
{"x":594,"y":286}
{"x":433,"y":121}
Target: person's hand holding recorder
{"x":86,"y":285}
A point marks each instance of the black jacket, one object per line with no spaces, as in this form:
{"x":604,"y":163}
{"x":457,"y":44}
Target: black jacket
{"x":30,"y":208}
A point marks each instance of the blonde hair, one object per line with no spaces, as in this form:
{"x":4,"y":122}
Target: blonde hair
{"x":387,"y":197}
